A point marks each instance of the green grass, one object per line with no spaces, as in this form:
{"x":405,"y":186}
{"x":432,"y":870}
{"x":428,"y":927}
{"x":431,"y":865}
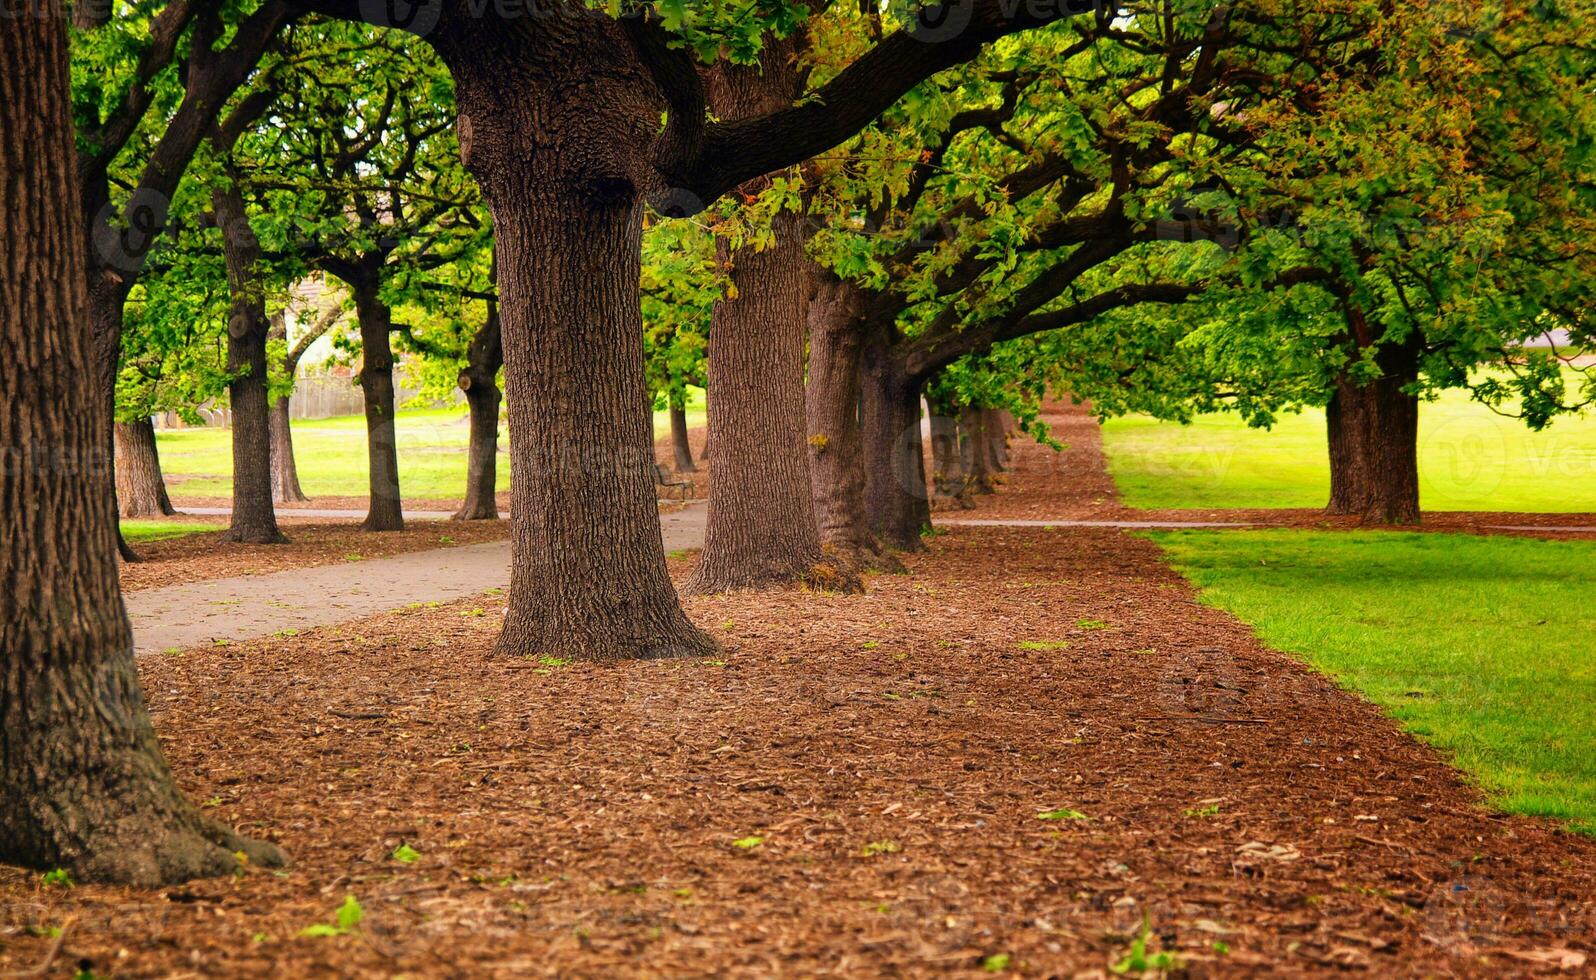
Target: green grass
{"x":331,"y":454}
{"x":1469,"y":459}
{"x":136,"y":531}
{"x":1482,"y":646}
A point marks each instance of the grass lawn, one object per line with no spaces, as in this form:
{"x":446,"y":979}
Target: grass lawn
{"x":331,"y":454}
{"x":1482,"y":646}
{"x":136,"y":531}
{"x":1469,"y":459}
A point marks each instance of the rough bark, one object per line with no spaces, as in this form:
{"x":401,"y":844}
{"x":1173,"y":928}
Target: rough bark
{"x":896,"y":497}
{"x":983,"y":437}
{"x":385,"y":512}
{"x":949,"y":470}
{"x":285,"y":472}
{"x":140,"y":489}
{"x":831,"y":408}
{"x":588,"y":576}
{"x":1373,"y":435}
{"x":254,"y":517}
{"x":681,"y":449}
{"x":480,"y":382}
{"x":999,"y":429}
{"x":83,"y":783}
{"x":761,"y":530}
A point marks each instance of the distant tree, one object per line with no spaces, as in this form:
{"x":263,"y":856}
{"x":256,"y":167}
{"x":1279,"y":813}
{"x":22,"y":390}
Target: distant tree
{"x":147,"y":90}
{"x":1423,"y":208}
{"x":380,"y":201}
{"x":680,"y":283}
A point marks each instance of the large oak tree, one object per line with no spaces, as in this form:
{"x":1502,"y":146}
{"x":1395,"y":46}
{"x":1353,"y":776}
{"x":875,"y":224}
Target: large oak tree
{"x":83,"y":784}
{"x":560,"y":113}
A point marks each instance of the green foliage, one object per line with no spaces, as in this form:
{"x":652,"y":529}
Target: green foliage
{"x":1411,"y":195}
{"x":748,"y":843}
{"x":57,"y":878}
{"x":1138,"y":960}
{"x":1062,"y":813}
{"x":345,"y":921}
{"x":680,"y":283}
{"x":405,"y":854}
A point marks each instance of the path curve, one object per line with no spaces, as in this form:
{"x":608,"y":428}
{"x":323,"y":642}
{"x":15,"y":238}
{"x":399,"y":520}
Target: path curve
{"x":249,"y":606}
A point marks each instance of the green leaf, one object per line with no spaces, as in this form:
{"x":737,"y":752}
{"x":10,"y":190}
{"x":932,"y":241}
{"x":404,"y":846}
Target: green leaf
{"x":1062,"y":813}
{"x":405,"y":854}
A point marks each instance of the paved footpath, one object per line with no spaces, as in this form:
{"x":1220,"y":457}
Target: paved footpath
{"x":250,"y":606}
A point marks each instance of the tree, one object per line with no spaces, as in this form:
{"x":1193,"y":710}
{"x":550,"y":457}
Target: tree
{"x":560,"y":123}
{"x":1417,"y":201}
{"x":761,"y":529}
{"x":137,"y":132}
{"x":254,"y":521}
{"x":379,"y":202}
{"x":285,"y":471}
{"x":1011,"y":198}
{"x":140,"y":488}
{"x":83,"y":784}
{"x":680,"y":283}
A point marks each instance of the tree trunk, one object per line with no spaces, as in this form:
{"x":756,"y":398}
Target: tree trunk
{"x":761,"y":529}
{"x":480,"y":382}
{"x":83,"y":783}
{"x":949,"y":474}
{"x":588,"y":577}
{"x":254,"y":519}
{"x":1000,"y":429}
{"x":140,"y":490}
{"x":106,"y":294}
{"x":681,"y":448}
{"x":285,"y":472}
{"x":983,"y":431}
{"x":385,"y":511}
{"x":831,"y":408}
{"x":1373,"y":435}
{"x":896,"y":498}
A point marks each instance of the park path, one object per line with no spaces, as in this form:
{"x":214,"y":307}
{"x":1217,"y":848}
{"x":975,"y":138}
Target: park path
{"x":251,"y":606}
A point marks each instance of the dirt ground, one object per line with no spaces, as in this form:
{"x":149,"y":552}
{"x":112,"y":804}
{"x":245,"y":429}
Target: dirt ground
{"x":1029,"y":755}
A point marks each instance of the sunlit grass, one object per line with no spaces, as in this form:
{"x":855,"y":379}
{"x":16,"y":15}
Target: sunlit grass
{"x":331,"y":454}
{"x":1481,"y":646}
{"x":155,"y":530}
{"x":1469,"y":459}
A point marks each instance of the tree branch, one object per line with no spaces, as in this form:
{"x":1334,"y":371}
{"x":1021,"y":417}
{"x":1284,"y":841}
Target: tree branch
{"x":946,"y":35}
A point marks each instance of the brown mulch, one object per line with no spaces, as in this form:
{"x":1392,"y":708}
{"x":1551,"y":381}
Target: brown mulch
{"x":852,"y":788}
{"x":1075,"y":485}
{"x":204,"y":555}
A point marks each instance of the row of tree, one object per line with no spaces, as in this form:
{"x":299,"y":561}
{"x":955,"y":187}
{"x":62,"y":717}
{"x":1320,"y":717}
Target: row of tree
{"x":1167,"y":205}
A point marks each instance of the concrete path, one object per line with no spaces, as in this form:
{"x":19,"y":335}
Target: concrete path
{"x":251,"y":606}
